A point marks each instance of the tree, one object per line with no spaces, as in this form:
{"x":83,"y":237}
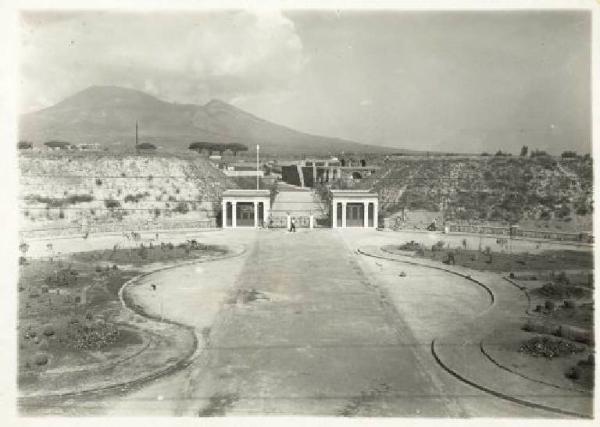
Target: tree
{"x":538,"y":153}
{"x":145,"y":146}
{"x":199,"y":146}
{"x":524,"y":150}
{"x":63,"y":145}
{"x":236,"y":147}
{"x":24,"y":145}
{"x":569,"y":155}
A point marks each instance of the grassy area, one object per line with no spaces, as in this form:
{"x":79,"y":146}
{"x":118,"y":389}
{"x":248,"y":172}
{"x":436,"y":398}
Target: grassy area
{"x":69,"y":308}
{"x":487,"y":260}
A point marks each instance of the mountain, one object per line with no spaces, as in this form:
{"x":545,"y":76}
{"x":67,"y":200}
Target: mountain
{"x":106,"y":115}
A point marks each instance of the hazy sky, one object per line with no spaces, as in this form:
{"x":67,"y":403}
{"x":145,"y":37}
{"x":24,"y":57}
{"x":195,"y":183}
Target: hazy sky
{"x":461,"y":81}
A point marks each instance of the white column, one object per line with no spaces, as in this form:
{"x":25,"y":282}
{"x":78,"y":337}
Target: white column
{"x":366,"y":215}
{"x":255,"y":214}
{"x":375,"y":213}
{"x":311,"y":223}
{"x":289,"y":222}
{"x":334,"y":214}
{"x":344,"y":214}
{"x":266,"y":211}
{"x":224,"y":214}
{"x":234,"y":214}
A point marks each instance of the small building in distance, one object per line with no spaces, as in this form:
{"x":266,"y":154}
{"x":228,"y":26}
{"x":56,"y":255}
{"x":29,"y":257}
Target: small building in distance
{"x":354,"y":208}
{"x":245,"y":208}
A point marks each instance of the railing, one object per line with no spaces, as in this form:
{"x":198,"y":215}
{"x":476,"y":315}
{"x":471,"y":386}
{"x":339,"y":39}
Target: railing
{"x":505,"y":231}
{"x":517,"y":232}
{"x":116,"y":227}
{"x":281,"y":222}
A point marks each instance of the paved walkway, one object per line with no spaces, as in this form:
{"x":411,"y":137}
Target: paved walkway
{"x":302,"y":325}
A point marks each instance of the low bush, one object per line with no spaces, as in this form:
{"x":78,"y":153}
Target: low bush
{"x":91,"y":335}
{"x":542,"y":346}
{"x":64,"y":277}
{"x":549,"y":305}
{"x":40,"y":359}
{"x":573,"y":373}
{"x":182,"y":208}
{"x":410,"y":246}
{"x":48,"y":330}
{"x":112,"y":204}
{"x":438,"y":246}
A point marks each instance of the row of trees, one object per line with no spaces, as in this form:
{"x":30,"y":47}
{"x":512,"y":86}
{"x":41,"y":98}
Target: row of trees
{"x":211,"y":147}
{"x":537,"y":153}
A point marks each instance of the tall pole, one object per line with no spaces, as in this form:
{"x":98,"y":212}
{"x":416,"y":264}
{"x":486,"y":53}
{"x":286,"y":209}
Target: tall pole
{"x":136,"y":133}
{"x":257,"y":180}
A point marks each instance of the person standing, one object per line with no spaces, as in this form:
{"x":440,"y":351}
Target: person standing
{"x":293,"y":225}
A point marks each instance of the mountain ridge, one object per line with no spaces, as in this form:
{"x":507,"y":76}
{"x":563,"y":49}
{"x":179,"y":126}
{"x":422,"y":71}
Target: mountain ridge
{"x":107,"y":114}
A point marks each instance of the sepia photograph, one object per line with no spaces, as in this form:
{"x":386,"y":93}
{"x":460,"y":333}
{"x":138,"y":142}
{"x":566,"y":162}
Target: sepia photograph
{"x":375,"y":212}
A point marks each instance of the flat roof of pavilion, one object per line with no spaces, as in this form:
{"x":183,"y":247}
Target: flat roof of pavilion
{"x":354,"y":193}
{"x":237,"y":192}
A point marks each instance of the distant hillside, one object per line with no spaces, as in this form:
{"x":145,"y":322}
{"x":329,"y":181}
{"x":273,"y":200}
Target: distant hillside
{"x":106,"y":115}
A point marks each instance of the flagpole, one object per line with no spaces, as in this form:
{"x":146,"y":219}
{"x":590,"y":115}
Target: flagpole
{"x":257,"y":180}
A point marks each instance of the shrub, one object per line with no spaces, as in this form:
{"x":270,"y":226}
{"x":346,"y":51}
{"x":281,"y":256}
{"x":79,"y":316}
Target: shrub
{"x":40,"y":359}
{"x":79,"y":198}
{"x":549,"y":305}
{"x":48,"y":330}
{"x":143,"y":252}
{"x":91,"y":335}
{"x":111,"y":204}
{"x":573,"y":373}
{"x":438,"y":246}
{"x":569,"y":304}
{"x":562,"y":278}
{"x":98,"y":182}
{"x":182,"y":208}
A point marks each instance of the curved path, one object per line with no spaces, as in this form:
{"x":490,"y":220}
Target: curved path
{"x":303,"y":325}
{"x":460,"y":352}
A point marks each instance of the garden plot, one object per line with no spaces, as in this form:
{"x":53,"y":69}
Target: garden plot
{"x":561,"y":317}
{"x":487,"y":259}
{"x":74,"y":333}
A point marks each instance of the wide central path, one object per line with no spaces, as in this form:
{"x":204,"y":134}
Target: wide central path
{"x":302,"y":325}
{"x":318,"y":340}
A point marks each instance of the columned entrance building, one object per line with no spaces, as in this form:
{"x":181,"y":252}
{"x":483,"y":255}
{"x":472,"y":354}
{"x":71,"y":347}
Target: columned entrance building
{"x":354,"y":208}
{"x":245,"y":208}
